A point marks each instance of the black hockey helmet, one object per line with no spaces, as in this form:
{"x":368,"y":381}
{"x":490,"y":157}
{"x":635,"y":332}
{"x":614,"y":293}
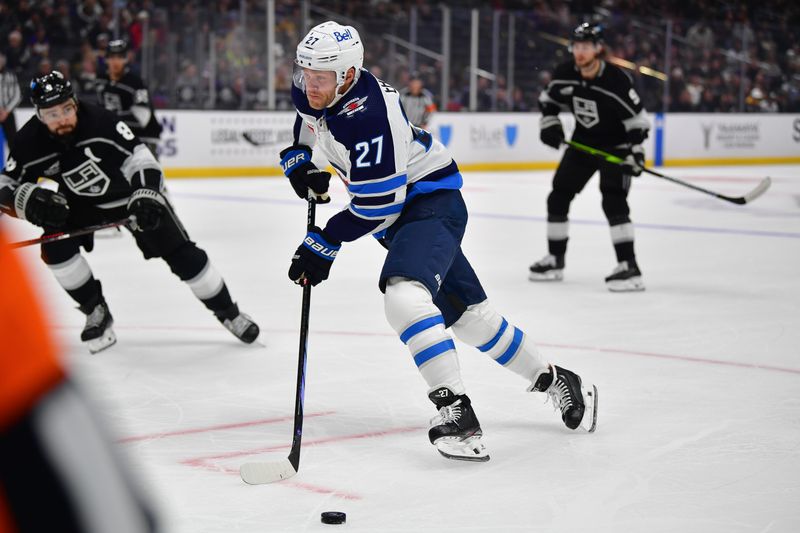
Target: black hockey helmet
{"x":117,"y":47}
{"x":50,"y":89}
{"x":588,"y":32}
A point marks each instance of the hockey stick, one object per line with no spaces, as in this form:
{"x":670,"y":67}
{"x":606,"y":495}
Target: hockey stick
{"x":258,"y":473}
{"x":52,"y":237}
{"x":759,"y":189}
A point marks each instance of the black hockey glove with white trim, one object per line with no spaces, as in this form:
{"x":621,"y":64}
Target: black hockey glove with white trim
{"x":634,"y":162}
{"x":551,"y":131}
{"x":304,"y":175}
{"x":149,"y":207}
{"x":40,"y":206}
{"x":313,"y":259}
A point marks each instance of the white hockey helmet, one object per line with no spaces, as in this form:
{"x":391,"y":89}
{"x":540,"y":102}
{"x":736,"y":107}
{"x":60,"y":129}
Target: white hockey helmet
{"x":332,"y":47}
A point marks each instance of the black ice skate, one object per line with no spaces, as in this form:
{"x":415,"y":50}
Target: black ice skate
{"x":455,"y":431}
{"x":578,"y":404}
{"x":549,"y":268}
{"x":626,"y":277}
{"x":97,"y":333}
{"x":240,"y":324}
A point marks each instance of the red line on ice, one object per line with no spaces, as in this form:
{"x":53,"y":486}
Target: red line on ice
{"x":153,"y":436}
{"x":673,"y":357}
{"x":317,"y":442}
{"x":317,"y":489}
{"x":205,"y":464}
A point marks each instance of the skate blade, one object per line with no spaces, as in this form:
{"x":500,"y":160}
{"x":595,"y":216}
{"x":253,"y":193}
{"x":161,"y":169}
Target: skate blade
{"x":553,"y":275}
{"x":626,"y":285}
{"x":469,"y":449}
{"x":106,"y":340}
{"x":589,"y":422}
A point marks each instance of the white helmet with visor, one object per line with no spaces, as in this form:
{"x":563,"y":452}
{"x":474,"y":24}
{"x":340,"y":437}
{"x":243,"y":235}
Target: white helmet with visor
{"x":331,"y":47}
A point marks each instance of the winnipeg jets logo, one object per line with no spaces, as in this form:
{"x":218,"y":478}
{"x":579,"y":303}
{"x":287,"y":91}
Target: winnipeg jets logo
{"x":87,"y":179}
{"x":353,"y":106}
{"x":585,"y":111}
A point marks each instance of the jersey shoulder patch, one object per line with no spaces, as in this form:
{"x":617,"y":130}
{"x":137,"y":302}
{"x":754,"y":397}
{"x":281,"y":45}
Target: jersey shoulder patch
{"x":363,"y":109}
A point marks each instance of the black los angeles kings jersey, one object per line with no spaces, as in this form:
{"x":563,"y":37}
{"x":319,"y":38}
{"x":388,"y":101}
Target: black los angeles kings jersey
{"x":129,"y":99}
{"x":608,"y":112}
{"x":99,"y":164}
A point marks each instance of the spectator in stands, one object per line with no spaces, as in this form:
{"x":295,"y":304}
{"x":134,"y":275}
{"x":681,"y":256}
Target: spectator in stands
{"x":18,"y":55}
{"x":10,"y":98}
{"x":39,"y":44}
{"x":187,"y":86}
{"x":417,"y":102}
{"x":519,"y":103}
{"x":700,"y":35}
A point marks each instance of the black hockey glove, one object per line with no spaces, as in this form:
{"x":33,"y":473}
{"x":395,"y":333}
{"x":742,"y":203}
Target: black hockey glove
{"x":304,"y":175}
{"x":634,"y":163}
{"x":314,"y":258}
{"x":551,"y":131}
{"x":148,"y":206}
{"x":40,"y":206}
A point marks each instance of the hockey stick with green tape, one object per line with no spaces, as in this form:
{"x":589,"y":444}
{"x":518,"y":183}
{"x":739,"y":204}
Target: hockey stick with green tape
{"x":759,"y":189}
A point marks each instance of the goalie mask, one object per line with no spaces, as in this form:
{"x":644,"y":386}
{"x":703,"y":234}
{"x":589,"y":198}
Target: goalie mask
{"x":330,"y":47}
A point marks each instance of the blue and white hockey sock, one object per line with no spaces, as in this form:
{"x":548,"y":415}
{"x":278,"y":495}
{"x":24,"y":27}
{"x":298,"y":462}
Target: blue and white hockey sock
{"x":411,"y":312}
{"x":481,"y":326}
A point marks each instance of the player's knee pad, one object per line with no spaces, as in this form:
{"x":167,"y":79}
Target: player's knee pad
{"x":72,"y":273}
{"x":57,"y":252}
{"x":406,"y":301}
{"x":558,"y":202}
{"x":412,"y":314}
{"x":615,"y":207}
{"x":478,"y":324}
{"x":191,"y":265}
{"x":187,"y":261}
{"x":482,"y":327}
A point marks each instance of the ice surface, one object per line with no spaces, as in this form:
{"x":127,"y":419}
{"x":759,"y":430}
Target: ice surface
{"x":698,"y":376}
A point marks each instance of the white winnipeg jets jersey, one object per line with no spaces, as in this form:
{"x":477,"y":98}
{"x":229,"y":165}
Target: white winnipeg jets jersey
{"x":383,"y":160}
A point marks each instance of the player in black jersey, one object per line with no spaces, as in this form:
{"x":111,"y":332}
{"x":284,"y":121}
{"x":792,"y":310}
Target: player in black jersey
{"x":609,"y":116}
{"x":104,"y":173}
{"x":124,"y":93}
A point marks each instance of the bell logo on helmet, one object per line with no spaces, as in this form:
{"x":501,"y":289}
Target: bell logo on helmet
{"x":346,"y":36}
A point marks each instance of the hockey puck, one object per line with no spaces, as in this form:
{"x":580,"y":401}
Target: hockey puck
{"x":333,"y":517}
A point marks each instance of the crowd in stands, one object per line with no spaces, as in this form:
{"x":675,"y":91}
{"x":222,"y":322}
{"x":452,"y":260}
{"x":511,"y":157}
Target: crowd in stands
{"x":732,"y":56}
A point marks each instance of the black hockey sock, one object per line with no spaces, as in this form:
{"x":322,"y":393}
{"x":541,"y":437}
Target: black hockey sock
{"x":624,"y":251}
{"x":557,"y":248}
{"x":222,"y":305}
{"x":87,"y":295}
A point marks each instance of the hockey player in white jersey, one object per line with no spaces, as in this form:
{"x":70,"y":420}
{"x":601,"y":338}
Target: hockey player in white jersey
{"x":404,"y":189}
